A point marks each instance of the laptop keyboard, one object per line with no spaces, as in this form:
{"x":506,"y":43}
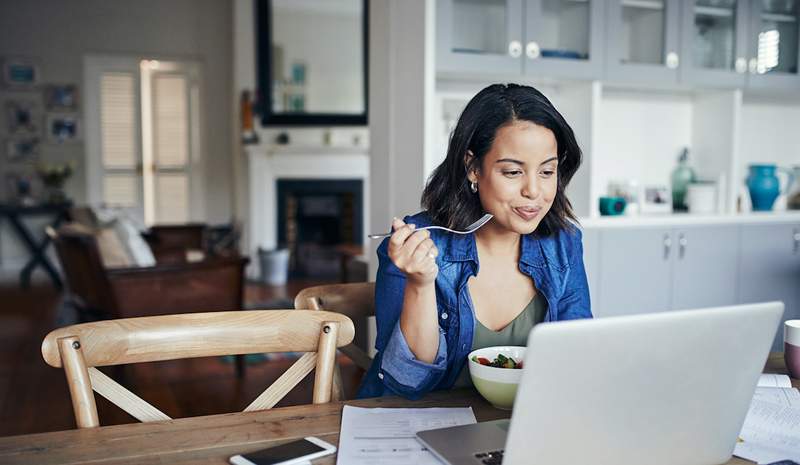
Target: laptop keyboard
{"x":494,"y":457}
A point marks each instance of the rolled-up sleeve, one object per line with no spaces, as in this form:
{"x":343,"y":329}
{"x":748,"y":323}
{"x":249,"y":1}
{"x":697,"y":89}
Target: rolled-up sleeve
{"x":400,"y":371}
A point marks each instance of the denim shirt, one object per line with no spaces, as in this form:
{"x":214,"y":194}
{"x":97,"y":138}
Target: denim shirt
{"x":555,"y":263}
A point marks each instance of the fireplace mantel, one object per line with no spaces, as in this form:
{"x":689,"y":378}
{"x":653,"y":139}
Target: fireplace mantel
{"x":267,"y":164}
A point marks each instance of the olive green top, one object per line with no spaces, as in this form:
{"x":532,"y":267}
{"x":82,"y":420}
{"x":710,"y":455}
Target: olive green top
{"x":514,"y":334}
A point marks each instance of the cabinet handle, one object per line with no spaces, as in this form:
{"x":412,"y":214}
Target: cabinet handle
{"x":752,"y":65}
{"x":796,"y":237}
{"x":515,"y":48}
{"x":741,"y":65}
{"x":532,"y":50}
{"x":672,"y":60}
{"x":667,"y":246}
{"x":682,"y":241}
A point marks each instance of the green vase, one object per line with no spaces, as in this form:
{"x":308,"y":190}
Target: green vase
{"x":682,"y":176}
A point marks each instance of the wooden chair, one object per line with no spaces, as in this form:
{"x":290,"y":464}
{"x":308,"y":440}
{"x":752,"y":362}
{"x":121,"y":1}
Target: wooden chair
{"x":357,"y":301}
{"x":80,"y":348}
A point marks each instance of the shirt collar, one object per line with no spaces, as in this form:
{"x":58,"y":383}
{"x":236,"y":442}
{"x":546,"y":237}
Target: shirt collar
{"x":462,"y":248}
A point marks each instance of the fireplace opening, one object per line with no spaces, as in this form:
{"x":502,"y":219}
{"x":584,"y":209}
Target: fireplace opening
{"x":317,"y":220}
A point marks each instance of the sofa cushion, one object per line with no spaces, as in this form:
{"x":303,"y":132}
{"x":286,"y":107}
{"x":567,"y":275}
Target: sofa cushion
{"x":113,"y":252}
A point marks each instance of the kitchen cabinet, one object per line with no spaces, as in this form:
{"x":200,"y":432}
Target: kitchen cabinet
{"x":714,"y":38}
{"x":770,"y":268}
{"x":479,"y":37}
{"x":774,"y":45}
{"x":564,"y":38}
{"x":644,"y":270}
{"x":642,"y":41}
{"x":705,"y":266}
{"x":635,"y":271}
{"x":543,"y":38}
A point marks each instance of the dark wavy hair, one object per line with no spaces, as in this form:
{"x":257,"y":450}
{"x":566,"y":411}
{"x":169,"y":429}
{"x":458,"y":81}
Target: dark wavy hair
{"x":447,"y":197}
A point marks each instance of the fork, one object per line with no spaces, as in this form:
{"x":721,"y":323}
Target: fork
{"x":470,"y":229}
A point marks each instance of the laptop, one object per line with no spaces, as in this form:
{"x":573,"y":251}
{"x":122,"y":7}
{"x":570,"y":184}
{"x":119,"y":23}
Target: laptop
{"x":665,"y":388}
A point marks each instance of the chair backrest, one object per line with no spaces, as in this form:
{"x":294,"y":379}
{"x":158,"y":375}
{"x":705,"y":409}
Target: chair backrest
{"x":83,"y":267}
{"x":81,"y":348}
{"x":356,"y":300}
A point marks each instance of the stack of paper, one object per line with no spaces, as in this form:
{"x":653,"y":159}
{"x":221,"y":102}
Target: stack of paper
{"x":771,"y":431}
{"x":388,"y":435}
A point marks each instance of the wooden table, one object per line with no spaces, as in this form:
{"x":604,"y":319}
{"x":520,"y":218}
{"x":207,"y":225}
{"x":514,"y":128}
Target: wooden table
{"x":212,"y":439}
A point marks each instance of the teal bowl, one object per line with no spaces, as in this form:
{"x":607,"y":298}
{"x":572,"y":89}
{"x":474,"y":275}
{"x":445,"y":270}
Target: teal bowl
{"x":497,"y":385}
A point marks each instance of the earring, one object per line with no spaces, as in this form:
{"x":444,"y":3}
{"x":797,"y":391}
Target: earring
{"x":473,"y":186}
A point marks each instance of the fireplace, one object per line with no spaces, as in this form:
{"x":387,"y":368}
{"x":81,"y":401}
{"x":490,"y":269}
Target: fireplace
{"x":314,"y":217}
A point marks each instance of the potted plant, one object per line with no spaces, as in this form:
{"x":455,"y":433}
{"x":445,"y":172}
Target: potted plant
{"x":53,"y":176}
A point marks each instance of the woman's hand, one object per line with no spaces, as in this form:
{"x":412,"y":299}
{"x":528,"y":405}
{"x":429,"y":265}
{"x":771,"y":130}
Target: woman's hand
{"x":414,"y":253}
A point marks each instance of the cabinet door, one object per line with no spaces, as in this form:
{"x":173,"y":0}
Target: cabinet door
{"x":591,"y":262}
{"x":563,"y":38}
{"x":770,"y":269}
{"x":705,"y":269}
{"x":642,"y":41}
{"x":635,"y":271}
{"x":715,"y":42}
{"x":774,"y":46}
{"x":479,"y":36}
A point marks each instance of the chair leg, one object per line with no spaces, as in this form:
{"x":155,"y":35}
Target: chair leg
{"x":338,"y":386}
{"x":240,"y":366}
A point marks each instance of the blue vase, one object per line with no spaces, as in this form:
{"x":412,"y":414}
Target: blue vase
{"x":764,"y":186}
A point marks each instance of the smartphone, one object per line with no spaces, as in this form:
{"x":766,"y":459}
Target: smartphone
{"x":292,"y":452}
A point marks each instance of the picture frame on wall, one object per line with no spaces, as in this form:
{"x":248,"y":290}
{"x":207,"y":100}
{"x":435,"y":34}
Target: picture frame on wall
{"x":61,"y":97}
{"x":21,"y":73}
{"x":23,"y":117}
{"x":62,"y":127}
{"x":22,"y":149}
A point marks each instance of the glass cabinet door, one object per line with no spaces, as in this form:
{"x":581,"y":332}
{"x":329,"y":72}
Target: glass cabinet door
{"x":479,"y":36}
{"x":774,"y":44}
{"x":642,"y":41}
{"x":563,"y":38}
{"x":714,"y":42}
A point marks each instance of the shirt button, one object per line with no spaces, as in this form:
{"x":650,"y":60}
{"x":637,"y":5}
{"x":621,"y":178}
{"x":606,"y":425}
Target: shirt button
{"x":444,"y":316}
{"x":380,"y":375}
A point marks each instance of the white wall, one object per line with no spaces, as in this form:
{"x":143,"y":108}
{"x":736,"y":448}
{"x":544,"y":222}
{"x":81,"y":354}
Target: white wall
{"x":639,"y":136}
{"x":60,"y":33}
{"x":400,"y":122}
{"x":769,"y":133}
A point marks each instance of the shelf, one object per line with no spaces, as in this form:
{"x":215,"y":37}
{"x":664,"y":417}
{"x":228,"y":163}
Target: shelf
{"x":713,"y":11}
{"x":778,"y":17}
{"x":687,"y":219}
{"x":644,"y":4}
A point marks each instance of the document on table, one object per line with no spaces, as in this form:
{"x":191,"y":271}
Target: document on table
{"x":387,"y":436}
{"x":771,"y":430}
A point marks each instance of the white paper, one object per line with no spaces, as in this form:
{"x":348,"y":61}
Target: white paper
{"x":771,"y":432}
{"x":771,"y":380}
{"x":387,"y":436}
{"x":760,"y":454}
{"x":789,"y":397}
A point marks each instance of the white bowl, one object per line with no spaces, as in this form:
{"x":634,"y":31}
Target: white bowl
{"x":497,"y":385}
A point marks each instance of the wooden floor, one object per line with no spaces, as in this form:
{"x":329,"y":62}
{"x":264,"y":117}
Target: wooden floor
{"x":34,"y":396}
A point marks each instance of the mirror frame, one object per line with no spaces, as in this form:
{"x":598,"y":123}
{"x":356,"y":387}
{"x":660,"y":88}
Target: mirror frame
{"x":264,"y":71}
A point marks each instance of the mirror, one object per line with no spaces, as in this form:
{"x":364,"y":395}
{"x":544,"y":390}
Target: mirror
{"x":312,"y":62}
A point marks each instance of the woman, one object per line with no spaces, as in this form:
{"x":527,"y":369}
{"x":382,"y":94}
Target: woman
{"x":440,"y":295}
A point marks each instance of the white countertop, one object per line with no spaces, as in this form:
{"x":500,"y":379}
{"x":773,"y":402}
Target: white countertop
{"x":686,"y":219}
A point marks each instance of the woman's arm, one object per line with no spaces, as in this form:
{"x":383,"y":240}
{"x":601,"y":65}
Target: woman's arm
{"x":398,"y":299}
